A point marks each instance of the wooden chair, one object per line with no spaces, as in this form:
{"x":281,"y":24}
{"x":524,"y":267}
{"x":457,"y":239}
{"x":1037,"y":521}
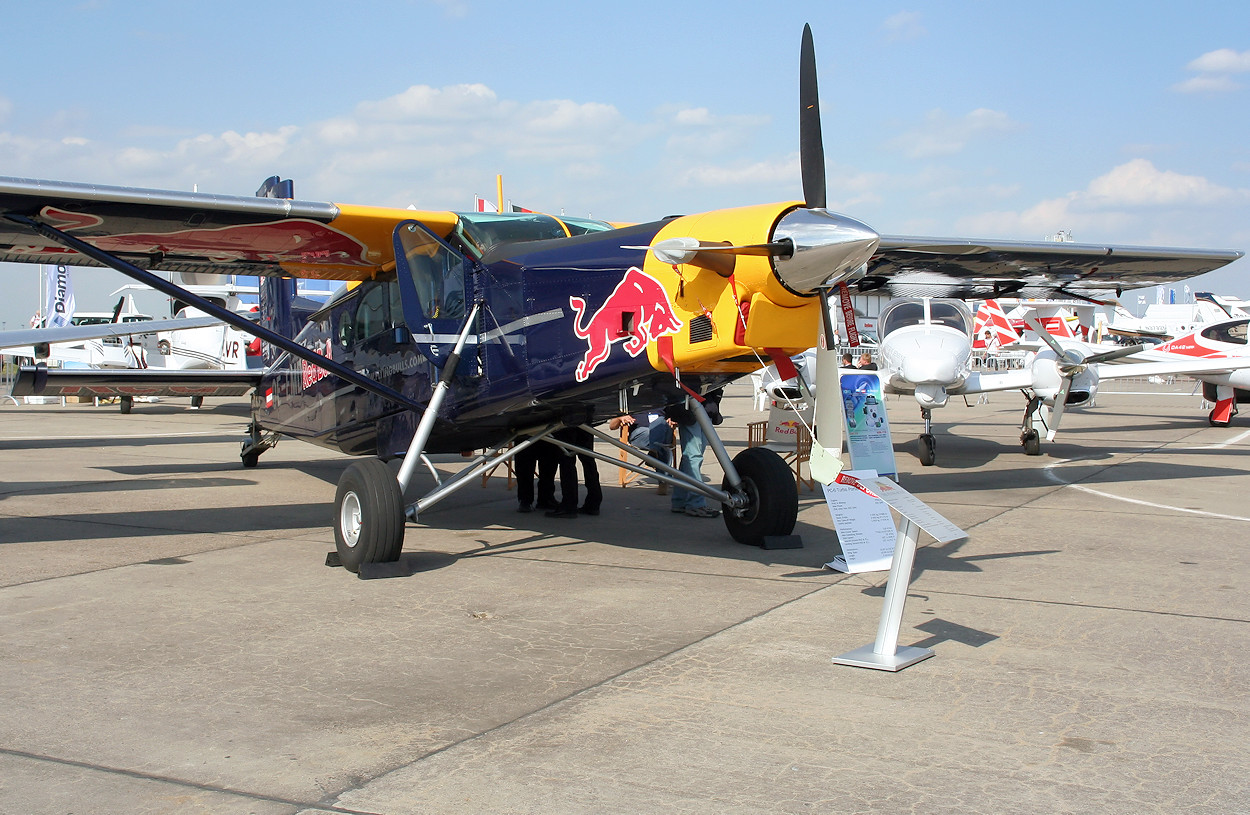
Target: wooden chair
{"x":509,"y":472}
{"x":785,"y":433}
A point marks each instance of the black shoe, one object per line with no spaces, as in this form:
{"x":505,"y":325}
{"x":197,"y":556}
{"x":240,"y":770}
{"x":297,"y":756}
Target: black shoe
{"x":562,"y":513}
{"x":588,"y":510}
{"x":547,"y":505}
{"x":524,"y":508}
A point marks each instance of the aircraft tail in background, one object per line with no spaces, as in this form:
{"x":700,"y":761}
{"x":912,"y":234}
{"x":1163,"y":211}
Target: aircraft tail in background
{"x":991,"y":318}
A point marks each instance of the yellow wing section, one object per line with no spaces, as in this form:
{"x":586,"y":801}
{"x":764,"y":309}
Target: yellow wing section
{"x":195,"y":232}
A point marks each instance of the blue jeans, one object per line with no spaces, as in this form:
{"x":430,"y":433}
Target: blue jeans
{"x":692,"y":444}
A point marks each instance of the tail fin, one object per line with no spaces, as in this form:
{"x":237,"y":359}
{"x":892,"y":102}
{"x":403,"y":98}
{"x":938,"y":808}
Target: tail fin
{"x":991,"y":319}
{"x":1058,"y":326}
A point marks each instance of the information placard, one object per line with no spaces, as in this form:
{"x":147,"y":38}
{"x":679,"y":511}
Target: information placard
{"x":865,"y":527}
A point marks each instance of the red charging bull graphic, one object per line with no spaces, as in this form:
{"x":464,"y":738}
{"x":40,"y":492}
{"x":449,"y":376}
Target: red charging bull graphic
{"x":636,"y":312}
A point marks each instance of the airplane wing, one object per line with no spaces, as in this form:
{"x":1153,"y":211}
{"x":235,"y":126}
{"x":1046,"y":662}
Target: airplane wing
{"x":198,"y":232}
{"x":974,"y":270}
{"x":979,"y":382}
{"x":39,"y":380}
{"x":1194,"y":367}
{"x":1012,"y":380}
{"x":72,"y":333}
{"x":221,"y":234}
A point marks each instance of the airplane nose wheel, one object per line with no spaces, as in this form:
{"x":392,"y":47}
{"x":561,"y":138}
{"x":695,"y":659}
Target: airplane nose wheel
{"x":1032,"y":443}
{"x":927,"y":449}
{"x":369,"y":515}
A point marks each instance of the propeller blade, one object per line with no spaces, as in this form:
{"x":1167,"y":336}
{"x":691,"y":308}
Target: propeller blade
{"x":811,"y":144}
{"x":1115,"y":353}
{"x":1040,"y":330}
{"x":1056,"y":416}
{"x":826,"y":456}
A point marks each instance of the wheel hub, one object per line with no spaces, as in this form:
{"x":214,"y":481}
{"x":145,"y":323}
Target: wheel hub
{"x":349,"y":519}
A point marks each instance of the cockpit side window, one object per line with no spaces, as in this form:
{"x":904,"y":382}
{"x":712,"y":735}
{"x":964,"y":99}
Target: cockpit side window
{"x":437,"y":273}
{"x":1234,"y":333}
{"x":371,"y":313}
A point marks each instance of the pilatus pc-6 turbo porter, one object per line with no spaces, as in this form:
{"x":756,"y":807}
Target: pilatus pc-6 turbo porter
{"x":472,"y":332}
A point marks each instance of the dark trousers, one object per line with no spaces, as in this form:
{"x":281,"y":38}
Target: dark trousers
{"x":545,"y":457}
{"x":590,"y":470}
{"x":567,"y":464}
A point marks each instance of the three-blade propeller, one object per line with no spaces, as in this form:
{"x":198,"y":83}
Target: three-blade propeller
{"x":1070,"y":362}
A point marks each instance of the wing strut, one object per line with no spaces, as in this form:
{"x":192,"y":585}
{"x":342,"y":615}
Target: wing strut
{"x":225,"y":315}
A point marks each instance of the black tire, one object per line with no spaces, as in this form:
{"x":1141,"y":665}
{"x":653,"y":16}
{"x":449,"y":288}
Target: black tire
{"x":1031,"y":440}
{"x":250,"y":459}
{"x":368,"y":515}
{"x":126,"y":403}
{"x":1214,"y":423}
{"x":773,"y":501}
{"x":197,"y":401}
{"x":927,"y":449}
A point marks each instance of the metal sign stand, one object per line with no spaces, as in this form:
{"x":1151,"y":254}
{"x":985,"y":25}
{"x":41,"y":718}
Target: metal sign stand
{"x":884,"y":654}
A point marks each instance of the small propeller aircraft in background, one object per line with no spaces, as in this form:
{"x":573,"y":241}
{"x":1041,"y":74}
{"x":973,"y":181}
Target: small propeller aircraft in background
{"x":478,"y":331}
{"x":926,"y":350}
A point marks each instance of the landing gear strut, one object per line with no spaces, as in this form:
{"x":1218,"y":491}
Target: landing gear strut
{"x":927,"y":448}
{"x":255,"y":444}
{"x":1034,"y":418}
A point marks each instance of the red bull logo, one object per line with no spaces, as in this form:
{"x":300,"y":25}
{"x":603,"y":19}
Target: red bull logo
{"x":312,"y":374}
{"x":636,"y":312}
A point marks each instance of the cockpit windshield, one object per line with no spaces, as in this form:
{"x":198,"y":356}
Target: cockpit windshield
{"x":483,"y":231}
{"x":902,"y":313}
{"x":950,"y":313}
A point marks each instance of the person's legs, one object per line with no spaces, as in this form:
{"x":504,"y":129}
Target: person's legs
{"x":548,"y":460}
{"x":523,"y":465}
{"x":692,"y":443}
{"x":567,"y":464}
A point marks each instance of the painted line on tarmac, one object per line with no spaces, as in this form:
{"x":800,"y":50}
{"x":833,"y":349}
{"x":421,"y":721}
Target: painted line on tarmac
{"x":1049,"y":471}
{"x":129,"y":436}
{"x":1222,"y":444}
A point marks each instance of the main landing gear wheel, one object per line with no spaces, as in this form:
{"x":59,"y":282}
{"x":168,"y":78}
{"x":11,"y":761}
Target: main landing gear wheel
{"x":197,"y":401}
{"x":126,"y":403}
{"x":927,"y":449}
{"x":368,"y":515}
{"x":1032,"y":443}
{"x":772,"y":501}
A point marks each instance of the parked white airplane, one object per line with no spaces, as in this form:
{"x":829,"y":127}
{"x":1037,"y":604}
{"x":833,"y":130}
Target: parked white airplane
{"x":1223,"y":340}
{"x":926,"y":351}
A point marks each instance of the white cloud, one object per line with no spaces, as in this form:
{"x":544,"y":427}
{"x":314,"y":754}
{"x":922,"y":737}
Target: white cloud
{"x":903,"y":27}
{"x":1139,"y":183}
{"x":1207,"y":84}
{"x":942,"y":135}
{"x":1214,"y":68}
{"x":1222,"y":61}
{"x":1129,"y":197}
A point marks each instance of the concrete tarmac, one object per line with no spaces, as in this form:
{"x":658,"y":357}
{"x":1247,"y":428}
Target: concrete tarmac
{"x":171,"y":640}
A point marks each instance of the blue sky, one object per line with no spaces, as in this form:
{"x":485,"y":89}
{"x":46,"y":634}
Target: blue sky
{"x":1118,"y":122}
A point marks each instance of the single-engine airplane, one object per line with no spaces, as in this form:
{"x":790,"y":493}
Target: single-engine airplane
{"x":473,"y":331}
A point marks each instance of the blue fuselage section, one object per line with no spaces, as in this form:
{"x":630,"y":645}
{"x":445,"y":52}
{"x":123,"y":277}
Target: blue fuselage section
{"x":519,"y":368}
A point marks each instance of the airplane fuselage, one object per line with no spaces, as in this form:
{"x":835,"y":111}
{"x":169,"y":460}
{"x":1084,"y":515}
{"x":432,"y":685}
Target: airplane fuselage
{"x":562,"y":334}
